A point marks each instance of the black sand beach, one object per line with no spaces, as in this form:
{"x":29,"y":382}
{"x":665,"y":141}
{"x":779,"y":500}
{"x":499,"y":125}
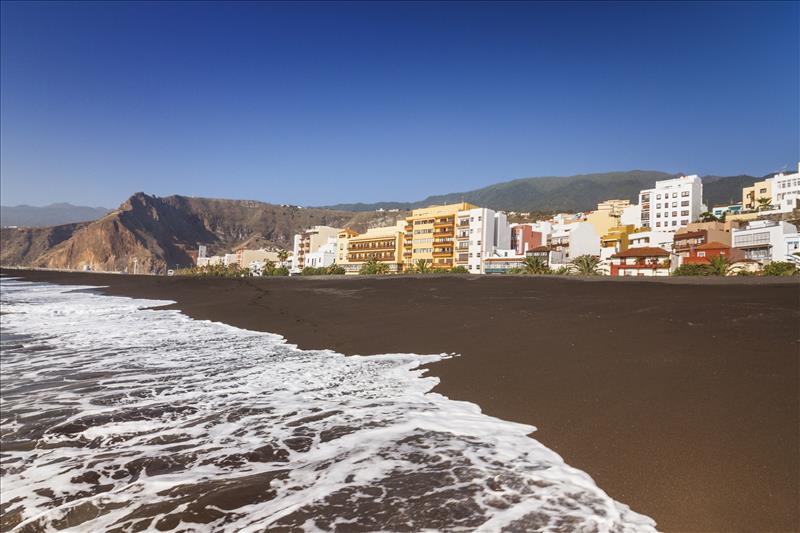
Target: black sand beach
{"x":681,"y":398}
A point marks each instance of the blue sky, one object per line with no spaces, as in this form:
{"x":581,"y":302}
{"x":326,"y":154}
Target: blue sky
{"x":322,"y":103}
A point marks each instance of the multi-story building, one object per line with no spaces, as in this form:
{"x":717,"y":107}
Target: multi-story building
{"x":785,"y":191}
{"x":646,"y":261}
{"x":479,"y":232}
{"x":310,"y":241}
{"x":430,"y":235}
{"x":672,"y":203}
{"x":342,"y":239}
{"x":760,"y":190}
{"x":547,"y":255}
{"x":792,"y":241}
{"x":576,"y":239}
{"x":763,"y":240}
{"x":644,"y":238}
{"x":323,"y":256}
{"x":524,"y":238}
{"x":615,"y":241}
{"x":607,"y":215}
{"x":384,"y":245}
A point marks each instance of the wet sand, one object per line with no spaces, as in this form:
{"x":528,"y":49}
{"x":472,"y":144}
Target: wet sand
{"x":680,"y":398}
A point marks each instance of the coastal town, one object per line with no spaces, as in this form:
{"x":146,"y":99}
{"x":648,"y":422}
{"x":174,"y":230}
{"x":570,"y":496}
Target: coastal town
{"x":670,"y":231}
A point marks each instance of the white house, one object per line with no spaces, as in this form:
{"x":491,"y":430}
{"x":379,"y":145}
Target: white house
{"x":479,"y":232}
{"x":575,"y":239}
{"x":763,"y":240}
{"x":650,"y":238}
{"x":672,"y":203}
{"x":311,"y":241}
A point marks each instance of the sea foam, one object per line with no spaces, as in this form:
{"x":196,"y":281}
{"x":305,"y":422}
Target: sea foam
{"x":116,"y":417}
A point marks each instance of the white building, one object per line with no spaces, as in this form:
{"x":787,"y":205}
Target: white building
{"x":785,"y":191}
{"x":479,"y":232}
{"x":650,"y":238}
{"x":230,"y":259}
{"x":575,"y":239}
{"x":324,"y":256}
{"x":672,"y":203}
{"x":792,"y":241}
{"x":763,"y":240}
{"x":309,"y":242}
{"x":631,"y":216}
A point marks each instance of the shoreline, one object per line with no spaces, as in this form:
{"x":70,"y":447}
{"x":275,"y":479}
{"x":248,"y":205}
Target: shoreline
{"x":679,"y":397}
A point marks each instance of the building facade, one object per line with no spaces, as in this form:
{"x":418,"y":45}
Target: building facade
{"x":524,"y":238}
{"x":479,"y":232}
{"x":672,"y":203}
{"x":384,"y":245}
{"x":310,"y":241}
{"x":429,"y":236}
{"x":760,"y":190}
{"x":785,"y":191}
{"x":649,"y":261}
{"x":763,"y":240}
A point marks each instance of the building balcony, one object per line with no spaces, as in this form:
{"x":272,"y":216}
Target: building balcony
{"x":444,"y":223}
{"x":409,"y":228}
{"x":442,"y":253}
{"x":407,"y":244}
{"x":443,"y":233}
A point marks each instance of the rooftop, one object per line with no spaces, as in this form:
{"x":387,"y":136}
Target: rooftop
{"x":645,"y":251}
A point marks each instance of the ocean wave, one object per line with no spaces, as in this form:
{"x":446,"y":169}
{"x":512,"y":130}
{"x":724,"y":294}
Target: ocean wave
{"x":117,"y":417}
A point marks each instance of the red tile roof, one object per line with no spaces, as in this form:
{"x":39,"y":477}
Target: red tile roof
{"x":645,"y":251}
{"x":715,"y":245}
{"x":540,"y":249}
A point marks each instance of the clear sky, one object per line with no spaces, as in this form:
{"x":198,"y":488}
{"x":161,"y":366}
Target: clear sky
{"x":316,"y":104}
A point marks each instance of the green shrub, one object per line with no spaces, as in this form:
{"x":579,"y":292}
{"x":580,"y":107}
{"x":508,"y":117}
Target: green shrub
{"x":692,"y":270}
{"x":780,"y":268}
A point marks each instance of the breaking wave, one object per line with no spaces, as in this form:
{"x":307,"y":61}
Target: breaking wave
{"x":116,"y":417}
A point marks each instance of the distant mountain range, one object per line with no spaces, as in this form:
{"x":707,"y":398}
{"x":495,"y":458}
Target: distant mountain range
{"x":160,"y":233}
{"x":573,"y":193}
{"x":49,"y":215}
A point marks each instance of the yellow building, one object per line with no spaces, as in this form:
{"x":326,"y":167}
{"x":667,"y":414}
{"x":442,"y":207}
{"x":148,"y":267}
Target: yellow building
{"x":751,"y":195}
{"x":430,"y":234}
{"x":616,"y":240}
{"x":381,"y":244}
{"x":607,"y":215}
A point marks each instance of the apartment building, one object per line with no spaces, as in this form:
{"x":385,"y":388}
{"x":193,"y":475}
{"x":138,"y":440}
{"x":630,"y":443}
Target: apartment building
{"x":616,"y":240}
{"x":785,"y":191}
{"x":429,"y":235}
{"x":479,"y":232}
{"x":575,"y":239}
{"x":524,"y":238}
{"x":311,"y":241}
{"x":763,"y":240}
{"x":672,"y":203}
{"x":607,"y":215}
{"x":323,"y":256}
{"x":649,"y":238}
{"x":384,"y":244}
{"x":760,"y":190}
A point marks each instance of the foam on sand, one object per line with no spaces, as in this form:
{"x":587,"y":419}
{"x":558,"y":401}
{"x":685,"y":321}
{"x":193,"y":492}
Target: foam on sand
{"x":120,"y":418}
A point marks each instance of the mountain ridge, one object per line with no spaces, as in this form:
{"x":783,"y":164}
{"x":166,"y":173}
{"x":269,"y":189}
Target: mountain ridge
{"x":49,"y":215}
{"x":580,"y":192}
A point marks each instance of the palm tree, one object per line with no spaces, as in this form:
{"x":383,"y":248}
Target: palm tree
{"x":535,"y":265}
{"x":373,"y":266}
{"x":764,"y":203}
{"x":721,"y":266}
{"x":283,"y":255}
{"x":422,"y":266}
{"x":585,"y":265}
{"x":708,"y":217}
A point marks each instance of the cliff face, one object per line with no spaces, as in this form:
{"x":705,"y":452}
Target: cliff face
{"x":159,"y":233}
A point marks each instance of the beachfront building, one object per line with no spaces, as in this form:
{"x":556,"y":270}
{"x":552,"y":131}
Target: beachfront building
{"x":502,"y":262}
{"x":704,"y":253}
{"x":792,"y":241}
{"x":323,"y":256}
{"x":672,"y":203}
{"x":698,"y":233}
{"x":524,"y":238}
{"x":548,"y":255}
{"x":384,"y":245}
{"x":311,"y":241}
{"x":647,"y":261}
{"x":763,"y":240}
{"x":479,"y":232}
{"x":429,"y":236}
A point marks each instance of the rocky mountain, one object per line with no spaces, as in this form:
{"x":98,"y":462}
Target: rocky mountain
{"x":160,"y":233}
{"x":572,"y":193}
{"x":49,"y":215}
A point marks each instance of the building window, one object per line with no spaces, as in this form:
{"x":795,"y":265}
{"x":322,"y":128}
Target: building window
{"x":674,"y":222}
{"x":685,"y":193}
{"x":685,"y":203}
{"x":658,"y":206}
{"x":658,"y":224}
{"x":674,"y":204}
{"x":684,"y":213}
{"x":674,"y":213}
{"x":658,"y":197}
{"x":674,"y":195}
{"x":684,"y":222}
